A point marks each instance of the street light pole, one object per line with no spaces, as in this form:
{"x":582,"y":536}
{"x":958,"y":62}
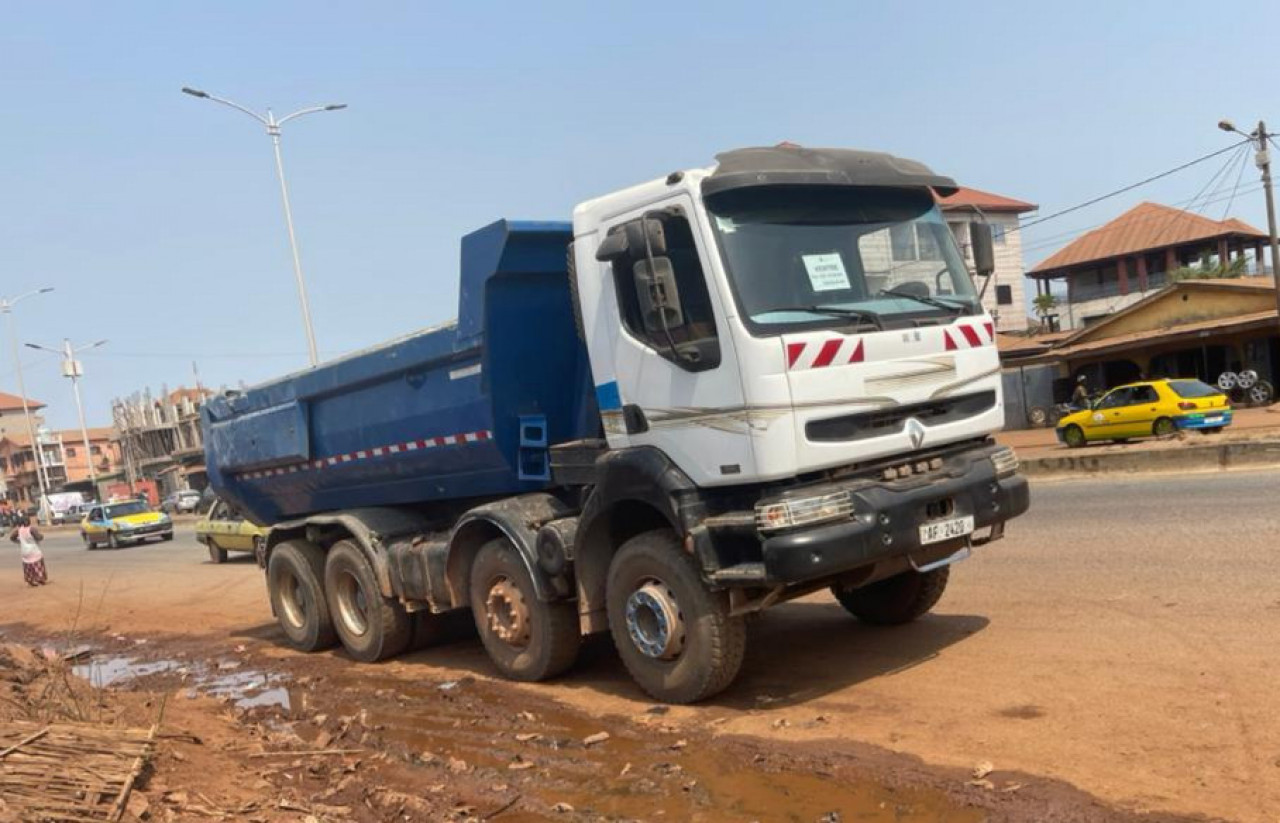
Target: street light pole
{"x":6,"y":308}
{"x":1262,"y":158}
{"x":72,"y":368}
{"x":273,"y":129}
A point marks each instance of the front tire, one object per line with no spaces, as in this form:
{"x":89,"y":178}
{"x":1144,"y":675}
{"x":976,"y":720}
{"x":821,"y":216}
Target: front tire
{"x":675,"y":636}
{"x":1073,"y":436}
{"x":895,"y":600}
{"x":526,"y":638}
{"x":370,"y":626}
{"x":113,"y":541}
{"x":294,"y":583}
{"x":217,"y":554}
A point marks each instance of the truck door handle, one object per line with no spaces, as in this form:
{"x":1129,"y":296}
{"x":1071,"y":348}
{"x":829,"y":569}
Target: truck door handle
{"x":633,"y":417}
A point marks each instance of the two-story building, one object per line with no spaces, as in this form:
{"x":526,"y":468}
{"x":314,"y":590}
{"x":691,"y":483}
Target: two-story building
{"x":1123,"y":261}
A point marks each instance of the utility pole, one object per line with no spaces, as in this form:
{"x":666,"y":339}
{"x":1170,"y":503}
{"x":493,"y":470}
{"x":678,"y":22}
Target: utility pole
{"x":37,"y":448}
{"x":72,"y":368}
{"x":1262,"y":158}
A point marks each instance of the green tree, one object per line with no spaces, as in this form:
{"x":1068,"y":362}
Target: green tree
{"x":1045,"y":305}
{"x":1205,"y":269}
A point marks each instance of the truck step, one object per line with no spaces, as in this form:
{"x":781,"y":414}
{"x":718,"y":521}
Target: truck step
{"x":741,"y":573}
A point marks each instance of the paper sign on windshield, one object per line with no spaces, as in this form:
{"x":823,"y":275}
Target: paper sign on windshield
{"x":826,"y":272}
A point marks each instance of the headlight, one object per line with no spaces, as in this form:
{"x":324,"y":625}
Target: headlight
{"x":1005,"y":462}
{"x":803,"y":511}
{"x":126,"y":525}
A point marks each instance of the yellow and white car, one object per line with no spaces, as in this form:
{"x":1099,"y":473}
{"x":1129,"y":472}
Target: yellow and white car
{"x":118,"y":524}
{"x":1152,"y":408}
{"x":223,"y":529}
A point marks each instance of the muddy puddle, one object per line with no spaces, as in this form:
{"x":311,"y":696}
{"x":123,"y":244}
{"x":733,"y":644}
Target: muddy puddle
{"x":643,"y":769}
{"x":244,"y":687}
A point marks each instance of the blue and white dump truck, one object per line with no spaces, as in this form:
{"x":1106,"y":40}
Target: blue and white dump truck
{"x":708,"y":394}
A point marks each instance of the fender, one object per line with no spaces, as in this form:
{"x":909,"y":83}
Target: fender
{"x":647,"y":491}
{"x":371,"y":529}
{"x":516,"y":518}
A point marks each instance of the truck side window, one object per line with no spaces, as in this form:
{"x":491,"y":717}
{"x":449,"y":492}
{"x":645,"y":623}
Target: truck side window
{"x":692,"y":328}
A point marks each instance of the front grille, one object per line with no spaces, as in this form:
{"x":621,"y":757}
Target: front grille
{"x":890,"y":421}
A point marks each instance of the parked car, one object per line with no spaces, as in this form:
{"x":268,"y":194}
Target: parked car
{"x":117,"y":524}
{"x":224,"y":529}
{"x":181,"y":502}
{"x":1153,"y":408}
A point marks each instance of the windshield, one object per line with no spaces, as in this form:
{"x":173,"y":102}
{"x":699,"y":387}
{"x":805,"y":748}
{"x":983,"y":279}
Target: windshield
{"x":126,"y":509}
{"x":809,"y":256}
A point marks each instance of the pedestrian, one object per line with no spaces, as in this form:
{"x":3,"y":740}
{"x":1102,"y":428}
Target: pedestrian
{"x":28,"y":538}
{"x":1080,"y":397}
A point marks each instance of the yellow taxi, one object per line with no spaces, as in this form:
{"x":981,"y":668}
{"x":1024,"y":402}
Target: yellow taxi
{"x":1152,"y":408}
{"x":117,"y":524}
{"x":224,"y":529}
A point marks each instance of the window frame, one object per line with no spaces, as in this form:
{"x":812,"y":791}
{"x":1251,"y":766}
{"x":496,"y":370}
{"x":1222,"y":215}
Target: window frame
{"x":622,"y":274}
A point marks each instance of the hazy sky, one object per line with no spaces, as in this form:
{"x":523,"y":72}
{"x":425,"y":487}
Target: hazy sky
{"x":157,"y":217}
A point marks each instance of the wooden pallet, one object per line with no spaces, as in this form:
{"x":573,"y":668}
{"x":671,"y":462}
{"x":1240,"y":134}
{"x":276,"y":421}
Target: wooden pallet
{"x":70,"y":772}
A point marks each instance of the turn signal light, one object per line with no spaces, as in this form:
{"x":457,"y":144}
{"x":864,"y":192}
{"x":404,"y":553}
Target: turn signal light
{"x":803,"y":511}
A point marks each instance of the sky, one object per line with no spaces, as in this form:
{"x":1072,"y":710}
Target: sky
{"x":156,"y":216}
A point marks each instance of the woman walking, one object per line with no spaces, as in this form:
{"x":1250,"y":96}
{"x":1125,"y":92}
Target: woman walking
{"x":28,"y":538}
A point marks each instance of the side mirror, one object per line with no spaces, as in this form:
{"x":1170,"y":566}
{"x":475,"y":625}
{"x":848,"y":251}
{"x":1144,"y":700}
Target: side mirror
{"x":658,"y":294}
{"x":614,"y":246}
{"x":646,"y":237}
{"x":984,"y":253}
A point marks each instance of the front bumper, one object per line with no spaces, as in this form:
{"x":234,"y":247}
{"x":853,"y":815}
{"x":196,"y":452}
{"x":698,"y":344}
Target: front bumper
{"x":149,"y":530}
{"x":1204,"y":420}
{"x":888,"y":515}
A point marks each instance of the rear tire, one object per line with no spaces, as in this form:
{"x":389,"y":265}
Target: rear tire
{"x":675,"y":636}
{"x":1164,"y":427}
{"x":895,"y":600}
{"x":370,"y":626}
{"x":526,"y":638}
{"x":295,"y":585}
{"x":217,"y":554}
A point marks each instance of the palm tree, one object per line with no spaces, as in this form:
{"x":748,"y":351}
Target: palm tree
{"x":1045,"y":304}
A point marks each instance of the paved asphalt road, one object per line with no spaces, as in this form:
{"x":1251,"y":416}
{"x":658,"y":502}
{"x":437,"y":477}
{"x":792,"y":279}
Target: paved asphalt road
{"x":1124,"y":637}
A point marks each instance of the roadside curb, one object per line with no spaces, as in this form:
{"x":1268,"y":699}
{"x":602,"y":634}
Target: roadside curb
{"x":1249,"y":454}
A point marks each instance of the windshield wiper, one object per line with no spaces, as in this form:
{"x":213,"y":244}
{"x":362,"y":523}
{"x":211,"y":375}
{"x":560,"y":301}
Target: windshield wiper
{"x":838,"y":311}
{"x":928,"y":301}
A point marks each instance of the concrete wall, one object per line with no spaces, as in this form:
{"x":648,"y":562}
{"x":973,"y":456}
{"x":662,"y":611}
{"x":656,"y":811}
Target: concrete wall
{"x":1188,"y":305}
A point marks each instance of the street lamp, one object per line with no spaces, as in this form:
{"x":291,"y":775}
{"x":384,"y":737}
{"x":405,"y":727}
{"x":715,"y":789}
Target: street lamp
{"x":71,"y":368}
{"x":1262,"y":158}
{"x":273,"y":129}
{"x":6,"y":308}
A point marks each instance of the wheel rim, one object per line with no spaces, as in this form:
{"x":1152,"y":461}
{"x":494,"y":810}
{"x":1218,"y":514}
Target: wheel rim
{"x":1164,"y":428}
{"x":1259,"y":394}
{"x":654,"y":621}
{"x":1075,"y":437}
{"x":1038,"y":416}
{"x":508,"y":613}
{"x":353,"y":607}
{"x":293,"y":600}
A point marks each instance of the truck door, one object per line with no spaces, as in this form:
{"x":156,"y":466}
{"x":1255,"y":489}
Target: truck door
{"x":663,"y":361}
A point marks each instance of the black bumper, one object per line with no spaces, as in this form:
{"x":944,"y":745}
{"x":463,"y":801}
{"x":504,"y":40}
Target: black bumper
{"x":888,"y":515}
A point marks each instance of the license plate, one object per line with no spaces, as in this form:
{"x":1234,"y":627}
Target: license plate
{"x":1217,"y":418}
{"x":945,"y":530}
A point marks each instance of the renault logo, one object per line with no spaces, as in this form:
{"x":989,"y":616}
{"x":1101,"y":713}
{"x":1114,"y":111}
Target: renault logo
{"x":915,"y":431}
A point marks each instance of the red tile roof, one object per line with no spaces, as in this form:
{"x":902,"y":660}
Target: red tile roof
{"x":966,"y":197}
{"x":12,"y":402}
{"x":1145,"y":227}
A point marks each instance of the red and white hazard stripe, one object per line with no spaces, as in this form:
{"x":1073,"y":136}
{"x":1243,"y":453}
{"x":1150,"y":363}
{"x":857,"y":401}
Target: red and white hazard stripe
{"x":969,"y":335}
{"x":377,"y":451}
{"x":819,"y":354}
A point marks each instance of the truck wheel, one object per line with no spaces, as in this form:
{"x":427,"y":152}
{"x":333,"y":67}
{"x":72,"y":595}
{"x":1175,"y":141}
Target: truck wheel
{"x":294,"y":583}
{"x":216,"y":554}
{"x":675,"y":637}
{"x":527,"y":638}
{"x":370,"y":626}
{"x":895,"y":600}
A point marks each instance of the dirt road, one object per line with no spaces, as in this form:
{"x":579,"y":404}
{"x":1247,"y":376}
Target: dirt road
{"x":1122,"y":639}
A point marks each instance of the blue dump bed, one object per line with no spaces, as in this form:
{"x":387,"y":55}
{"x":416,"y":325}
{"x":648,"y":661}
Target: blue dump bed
{"x":460,"y":411}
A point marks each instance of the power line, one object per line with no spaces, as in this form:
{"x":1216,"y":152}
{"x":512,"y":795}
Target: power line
{"x":1244,"y":161}
{"x":1131,"y":186}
